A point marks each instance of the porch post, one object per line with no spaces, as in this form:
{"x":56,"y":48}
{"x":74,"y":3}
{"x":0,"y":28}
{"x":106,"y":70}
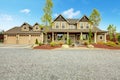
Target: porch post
{"x":52,"y":36}
{"x":67,"y":37}
{"x":95,"y":37}
{"x":105,"y":38}
{"x":81,"y":36}
{"x":5,"y":39}
{"x":17,"y":38}
{"x":46,"y":40}
{"x":29,"y":39}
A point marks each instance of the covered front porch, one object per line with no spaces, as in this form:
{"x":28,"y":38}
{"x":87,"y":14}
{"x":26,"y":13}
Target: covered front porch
{"x":74,"y":37}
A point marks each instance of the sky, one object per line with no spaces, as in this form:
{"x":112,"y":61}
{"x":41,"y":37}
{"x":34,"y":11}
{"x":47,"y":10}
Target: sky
{"x":16,"y":12}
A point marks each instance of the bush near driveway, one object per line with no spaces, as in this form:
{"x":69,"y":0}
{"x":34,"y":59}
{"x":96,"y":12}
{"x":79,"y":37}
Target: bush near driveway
{"x":53,"y":44}
{"x":110,"y":43}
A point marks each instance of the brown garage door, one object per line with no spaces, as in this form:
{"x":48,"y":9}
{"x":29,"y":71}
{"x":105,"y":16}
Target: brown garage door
{"x":11,"y":39}
{"x":24,"y":39}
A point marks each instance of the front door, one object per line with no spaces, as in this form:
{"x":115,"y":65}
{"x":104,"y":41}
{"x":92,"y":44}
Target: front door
{"x":72,"y":38}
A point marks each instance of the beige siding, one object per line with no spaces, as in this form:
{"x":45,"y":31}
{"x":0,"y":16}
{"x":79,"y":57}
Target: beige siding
{"x":60,"y":25}
{"x":24,"y":39}
{"x":84,"y":24}
{"x":100,"y":40}
{"x":11,"y":39}
{"x":36,"y":28}
{"x":34,"y":37}
{"x":25,"y":28}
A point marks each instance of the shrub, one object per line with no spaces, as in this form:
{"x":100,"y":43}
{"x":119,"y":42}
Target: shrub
{"x":73,"y":45}
{"x":100,"y":42}
{"x":53,"y":44}
{"x":86,"y":43}
{"x":110,"y":43}
{"x":36,"y":42}
{"x":40,"y":44}
{"x":60,"y":43}
{"x":119,"y":38}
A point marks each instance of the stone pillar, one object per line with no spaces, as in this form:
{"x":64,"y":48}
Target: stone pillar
{"x":29,"y":39}
{"x":5,"y":39}
{"x":42,"y":36}
{"x":105,"y":38}
{"x":81,"y":36}
{"x":95,"y":37}
{"x":52,"y":36}
{"x":67,"y":37}
{"x":17,"y":39}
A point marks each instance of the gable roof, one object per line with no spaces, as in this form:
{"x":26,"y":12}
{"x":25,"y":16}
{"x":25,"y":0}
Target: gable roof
{"x":60,"y":18}
{"x":35,"y":24}
{"x":84,"y":19}
{"x":26,"y":24}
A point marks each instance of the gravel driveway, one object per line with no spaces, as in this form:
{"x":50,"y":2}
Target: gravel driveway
{"x":28,"y":64}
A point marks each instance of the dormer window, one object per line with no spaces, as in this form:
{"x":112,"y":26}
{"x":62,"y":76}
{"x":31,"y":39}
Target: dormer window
{"x":36,"y":27}
{"x":24,"y":27}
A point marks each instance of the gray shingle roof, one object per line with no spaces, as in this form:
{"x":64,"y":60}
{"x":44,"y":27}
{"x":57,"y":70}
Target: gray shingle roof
{"x":72,"y":21}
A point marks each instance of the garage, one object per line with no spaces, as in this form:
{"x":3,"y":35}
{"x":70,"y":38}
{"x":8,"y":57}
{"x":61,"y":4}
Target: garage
{"x":11,"y":39}
{"x":24,"y":39}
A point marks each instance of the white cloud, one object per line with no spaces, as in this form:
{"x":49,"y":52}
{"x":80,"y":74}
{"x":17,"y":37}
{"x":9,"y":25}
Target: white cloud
{"x":5,"y":17}
{"x":70,"y":13}
{"x":26,"y":11}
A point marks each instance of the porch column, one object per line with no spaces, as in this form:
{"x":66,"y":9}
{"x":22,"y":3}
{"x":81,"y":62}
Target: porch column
{"x":95,"y":37}
{"x":67,"y":37}
{"x":81,"y":36}
{"x":46,"y":40}
{"x":52,"y":36}
{"x":105,"y":38}
{"x":17,"y":38}
{"x":29,"y":39}
{"x":42,"y":37}
{"x":5,"y":39}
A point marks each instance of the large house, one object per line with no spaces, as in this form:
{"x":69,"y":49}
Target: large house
{"x":62,"y":29}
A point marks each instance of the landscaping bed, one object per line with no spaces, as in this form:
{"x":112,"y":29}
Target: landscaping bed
{"x":105,"y":46}
{"x":47,"y":46}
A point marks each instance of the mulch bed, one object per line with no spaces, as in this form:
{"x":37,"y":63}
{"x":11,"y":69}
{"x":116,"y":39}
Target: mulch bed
{"x":105,"y":46}
{"x":47,"y":47}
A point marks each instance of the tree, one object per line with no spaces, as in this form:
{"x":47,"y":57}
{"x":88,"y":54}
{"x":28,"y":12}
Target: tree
{"x":112,"y":32}
{"x":119,"y":38}
{"x":95,"y":17}
{"x":90,"y":31}
{"x":47,"y":17}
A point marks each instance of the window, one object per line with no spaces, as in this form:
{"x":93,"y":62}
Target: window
{"x":72,"y":27}
{"x":87,"y":26}
{"x":57,"y":25}
{"x":59,"y":37}
{"x":100,"y":37}
{"x":36,"y":27}
{"x":81,"y":25}
{"x":24,"y":27}
{"x":63,"y":25}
